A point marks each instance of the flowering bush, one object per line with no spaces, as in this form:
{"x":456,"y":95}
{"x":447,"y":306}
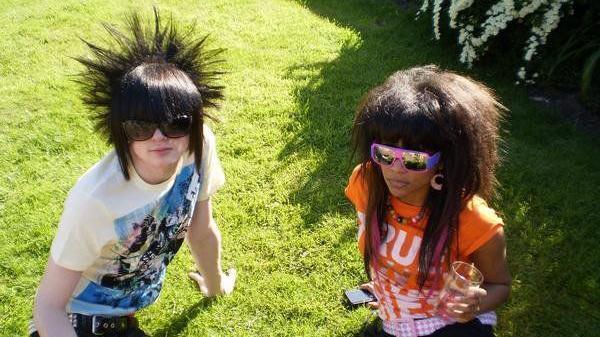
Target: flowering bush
{"x":477,"y":22}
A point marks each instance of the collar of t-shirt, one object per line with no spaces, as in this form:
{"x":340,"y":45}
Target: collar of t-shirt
{"x":403,"y":209}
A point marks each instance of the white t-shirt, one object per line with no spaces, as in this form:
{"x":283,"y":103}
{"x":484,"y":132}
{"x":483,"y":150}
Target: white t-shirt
{"x":122,"y":234}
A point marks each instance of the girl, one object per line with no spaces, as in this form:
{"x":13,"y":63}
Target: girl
{"x":127,"y":216}
{"x":427,"y":143}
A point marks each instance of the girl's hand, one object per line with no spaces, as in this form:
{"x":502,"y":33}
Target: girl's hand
{"x":370,"y":288}
{"x":466,"y":307}
{"x":225,"y":288}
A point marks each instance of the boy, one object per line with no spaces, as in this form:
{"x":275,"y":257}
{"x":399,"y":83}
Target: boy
{"x":126,"y":217}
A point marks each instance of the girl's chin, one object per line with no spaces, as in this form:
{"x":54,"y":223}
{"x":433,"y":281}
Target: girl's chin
{"x":398,"y":191}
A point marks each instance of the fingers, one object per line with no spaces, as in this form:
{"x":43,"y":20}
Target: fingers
{"x":368,"y":287}
{"x":373,"y":305}
{"x":461,"y":312}
{"x":471,"y":296}
{"x":195,"y":276}
{"x":228,"y":281}
{"x":226,"y":287}
{"x":231,"y":272}
{"x":465,"y":308}
{"x":476,"y":292}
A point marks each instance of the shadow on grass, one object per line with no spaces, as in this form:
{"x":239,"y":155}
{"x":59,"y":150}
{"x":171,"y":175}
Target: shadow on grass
{"x":548,"y":203}
{"x":179,"y":323}
{"x":370,"y":328}
{"x":327,"y":103}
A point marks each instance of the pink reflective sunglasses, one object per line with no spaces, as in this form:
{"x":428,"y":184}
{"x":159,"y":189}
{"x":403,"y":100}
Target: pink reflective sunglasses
{"x":411,"y":160}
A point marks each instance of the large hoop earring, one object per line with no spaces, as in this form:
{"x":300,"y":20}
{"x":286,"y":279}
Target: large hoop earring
{"x":437,"y":182}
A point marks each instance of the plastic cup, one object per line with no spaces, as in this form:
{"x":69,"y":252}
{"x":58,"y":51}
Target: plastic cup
{"x":461,"y":277}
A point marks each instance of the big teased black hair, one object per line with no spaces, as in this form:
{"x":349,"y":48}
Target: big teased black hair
{"x":153,"y":71}
{"x":434,"y":110}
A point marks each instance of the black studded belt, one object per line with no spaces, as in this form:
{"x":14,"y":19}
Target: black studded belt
{"x":102,"y":325}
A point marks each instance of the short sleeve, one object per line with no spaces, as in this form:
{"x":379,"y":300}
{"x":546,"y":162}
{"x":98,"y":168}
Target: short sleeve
{"x":77,"y":245}
{"x":213,"y":177}
{"x":356,"y":191}
{"x":478,"y":224}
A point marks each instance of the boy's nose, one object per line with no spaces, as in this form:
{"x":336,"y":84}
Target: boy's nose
{"x":158,"y":135}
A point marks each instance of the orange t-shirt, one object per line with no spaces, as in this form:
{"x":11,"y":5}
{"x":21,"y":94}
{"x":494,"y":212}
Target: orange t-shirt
{"x":395,"y":279}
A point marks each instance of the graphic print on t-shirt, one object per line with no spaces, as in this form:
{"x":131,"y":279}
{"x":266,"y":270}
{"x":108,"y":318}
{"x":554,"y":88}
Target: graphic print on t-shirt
{"x":148,"y":239}
{"x":396,"y":272}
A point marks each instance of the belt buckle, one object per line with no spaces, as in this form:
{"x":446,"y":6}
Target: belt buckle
{"x":98,"y":325}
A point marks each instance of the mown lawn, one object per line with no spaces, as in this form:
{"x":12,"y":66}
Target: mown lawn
{"x":296,"y":70}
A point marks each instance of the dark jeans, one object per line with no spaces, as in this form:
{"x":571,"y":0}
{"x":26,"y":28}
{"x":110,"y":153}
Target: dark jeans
{"x":473,"y":328}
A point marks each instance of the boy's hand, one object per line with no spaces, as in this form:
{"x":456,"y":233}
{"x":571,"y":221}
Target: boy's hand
{"x":225,"y":288}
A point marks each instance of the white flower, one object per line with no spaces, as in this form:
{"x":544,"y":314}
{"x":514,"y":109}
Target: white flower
{"x":455,"y":7}
{"x":543,"y":17}
{"x":437,"y":7}
{"x":521,"y":74}
{"x":423,"y":7}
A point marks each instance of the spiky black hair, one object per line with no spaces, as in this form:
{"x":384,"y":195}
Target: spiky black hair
{"x":151,"y":71}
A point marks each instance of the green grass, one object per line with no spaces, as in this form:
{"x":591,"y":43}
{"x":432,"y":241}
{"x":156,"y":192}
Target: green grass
{"x":296,"y":70}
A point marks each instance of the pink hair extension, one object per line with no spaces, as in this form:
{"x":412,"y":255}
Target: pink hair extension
{"x":375,"y":239}
{"x":437,"y":258}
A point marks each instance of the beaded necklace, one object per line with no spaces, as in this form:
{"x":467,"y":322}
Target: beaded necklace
{"x":400,"y":219}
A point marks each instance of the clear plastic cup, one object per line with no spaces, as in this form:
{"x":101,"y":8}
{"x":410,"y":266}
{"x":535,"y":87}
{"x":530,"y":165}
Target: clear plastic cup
{"x":461,"y":277}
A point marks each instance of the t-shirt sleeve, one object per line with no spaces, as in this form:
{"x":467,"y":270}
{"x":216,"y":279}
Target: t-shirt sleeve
{"x":77,"y":245}
{"x":478,"y":224}
{"x":356,"y":191}
{"x":213,"y":177}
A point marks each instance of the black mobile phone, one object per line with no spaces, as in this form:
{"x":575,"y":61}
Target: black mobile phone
{"x":359,"y":296}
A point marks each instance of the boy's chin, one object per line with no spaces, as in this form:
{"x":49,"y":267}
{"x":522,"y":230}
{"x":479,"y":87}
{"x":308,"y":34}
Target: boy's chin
{"x":163,"y":163}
